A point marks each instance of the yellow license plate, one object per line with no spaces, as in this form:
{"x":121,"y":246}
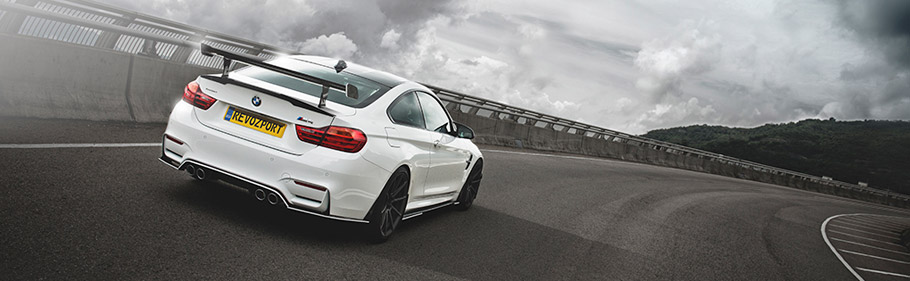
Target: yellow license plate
{"x":254,"y":122}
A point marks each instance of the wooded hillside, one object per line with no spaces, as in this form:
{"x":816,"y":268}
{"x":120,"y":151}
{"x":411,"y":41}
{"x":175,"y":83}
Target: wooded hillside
{"x":875,"y":152}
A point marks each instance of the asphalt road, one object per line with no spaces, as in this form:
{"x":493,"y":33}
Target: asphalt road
{"x":118,"y":213}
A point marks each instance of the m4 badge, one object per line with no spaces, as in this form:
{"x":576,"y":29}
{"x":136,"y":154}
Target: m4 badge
{"x":305,"y":120}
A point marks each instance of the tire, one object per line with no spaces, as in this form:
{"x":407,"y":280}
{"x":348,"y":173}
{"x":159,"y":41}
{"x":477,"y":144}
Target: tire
{"x":387,"y":212}
{"x":470,"y":188}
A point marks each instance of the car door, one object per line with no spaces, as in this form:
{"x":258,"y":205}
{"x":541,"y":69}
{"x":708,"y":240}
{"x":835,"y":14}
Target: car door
{"x":408,"y":133}
{"x":447,"y":160}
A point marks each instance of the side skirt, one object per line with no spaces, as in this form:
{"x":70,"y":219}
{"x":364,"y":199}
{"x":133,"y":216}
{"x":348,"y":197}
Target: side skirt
{"x":421,"y":211}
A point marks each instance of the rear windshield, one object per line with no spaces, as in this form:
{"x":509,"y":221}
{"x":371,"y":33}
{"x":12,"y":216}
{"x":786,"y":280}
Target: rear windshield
{"x":368,"y":90}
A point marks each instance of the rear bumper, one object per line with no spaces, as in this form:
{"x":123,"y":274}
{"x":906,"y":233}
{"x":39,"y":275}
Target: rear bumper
{"x":351,"y":184}
{"x":250,"y":184}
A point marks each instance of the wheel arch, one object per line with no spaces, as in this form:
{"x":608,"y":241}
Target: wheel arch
{"x":407,"y":170}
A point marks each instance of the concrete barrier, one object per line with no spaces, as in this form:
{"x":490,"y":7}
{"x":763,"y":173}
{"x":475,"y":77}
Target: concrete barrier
{"x":63,"y":80}
{"x":157,"y":85}
{"x":47,"y":79}
{"x":510,"y":133}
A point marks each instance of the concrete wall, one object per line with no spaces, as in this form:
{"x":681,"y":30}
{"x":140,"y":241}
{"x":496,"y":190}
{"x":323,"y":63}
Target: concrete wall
{"x":49,"y":79}
{"x":53,"y":80}
{"x":157,"y":85}
{"x":507,"y":132}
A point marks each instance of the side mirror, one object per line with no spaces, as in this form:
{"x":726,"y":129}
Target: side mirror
{"x":351,"y":91}
{"x":463,"y":131}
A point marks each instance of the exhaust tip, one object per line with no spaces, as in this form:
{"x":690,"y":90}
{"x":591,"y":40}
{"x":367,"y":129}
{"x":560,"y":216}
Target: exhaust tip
{"x":273,"y":198}
{"x":200,"y":174}
{"x":191,"y":169}
{"x":260,"y":194}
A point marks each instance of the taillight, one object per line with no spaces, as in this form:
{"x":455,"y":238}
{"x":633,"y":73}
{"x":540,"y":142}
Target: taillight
{"x":337,"y":138}
{"x":310,"y":135}
{"x":193,"y":95}
{"x":344,"y":139}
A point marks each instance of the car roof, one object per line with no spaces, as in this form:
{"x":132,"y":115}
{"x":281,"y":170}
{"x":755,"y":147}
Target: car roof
{"x":381,"y":77}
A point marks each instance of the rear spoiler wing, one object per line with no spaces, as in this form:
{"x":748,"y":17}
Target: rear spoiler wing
{"x":229,"y":57}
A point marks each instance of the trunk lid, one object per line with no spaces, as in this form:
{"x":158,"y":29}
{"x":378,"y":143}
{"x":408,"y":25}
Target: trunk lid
{"x":272,"y":122}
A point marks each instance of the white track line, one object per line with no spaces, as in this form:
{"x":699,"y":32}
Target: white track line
{"x":869,"y":246}
{"x":868,"y":227}
{"x":882,"y":222}
{"x":889,"y":223}
{"x":872,"y":224}
{"x":874,"y":257}
{"x":900,"y":221}
{"x":890,"y":219}
{"x":884,"y":272}
{"x":841,"y":258}
{"x":76,"y":145}
{"x":867,"y":238}
{"x":863,"y":231}
{"x":833,"y":250}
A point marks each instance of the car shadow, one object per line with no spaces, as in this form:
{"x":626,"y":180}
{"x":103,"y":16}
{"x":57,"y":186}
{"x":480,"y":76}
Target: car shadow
{"x":237,"y":206}
{"x":476,"y":244}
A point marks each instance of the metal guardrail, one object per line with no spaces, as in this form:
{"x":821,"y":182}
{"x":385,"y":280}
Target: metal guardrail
{"x":497,"y":110}
{"x":99,"y":25}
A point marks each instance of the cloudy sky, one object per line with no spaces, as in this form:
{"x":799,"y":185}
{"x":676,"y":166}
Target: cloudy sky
{"x":626,"y":65}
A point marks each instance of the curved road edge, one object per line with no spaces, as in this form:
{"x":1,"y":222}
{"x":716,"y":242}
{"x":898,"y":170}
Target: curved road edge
{"x":833,"y":250}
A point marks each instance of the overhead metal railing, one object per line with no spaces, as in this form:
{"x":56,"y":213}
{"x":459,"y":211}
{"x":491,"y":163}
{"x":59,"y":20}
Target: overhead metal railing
{"x":99,"y":25}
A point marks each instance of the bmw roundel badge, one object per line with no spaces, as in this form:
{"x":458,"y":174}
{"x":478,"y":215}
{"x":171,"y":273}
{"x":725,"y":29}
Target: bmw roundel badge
{"x":256,"y":101}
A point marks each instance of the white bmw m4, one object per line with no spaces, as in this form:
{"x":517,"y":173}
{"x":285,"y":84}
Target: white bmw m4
{"x":324,"y":137}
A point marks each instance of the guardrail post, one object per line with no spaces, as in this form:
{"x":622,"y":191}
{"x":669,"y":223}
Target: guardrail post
{"x":182,"y":54}
{"x":12,"y":22}
{"x":532,"y":122}
{"x":549,"y":126}
{"x":149,"y":49}
{"x":108,"y":39}
{"x":513,"y":117}
{"x":452,"y":107}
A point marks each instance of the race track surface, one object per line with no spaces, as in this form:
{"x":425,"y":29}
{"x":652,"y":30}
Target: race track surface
{"x":118,"y":213}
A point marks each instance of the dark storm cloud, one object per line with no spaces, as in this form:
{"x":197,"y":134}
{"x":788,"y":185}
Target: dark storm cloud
{"x":628,"y":65}
{"x":885,"y":22}
{"x":364,"y":22}
{"x":405,"y":12}
{"x":884,"y":27}
{"x":291,"y":23}
{"x":560,"y":32}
